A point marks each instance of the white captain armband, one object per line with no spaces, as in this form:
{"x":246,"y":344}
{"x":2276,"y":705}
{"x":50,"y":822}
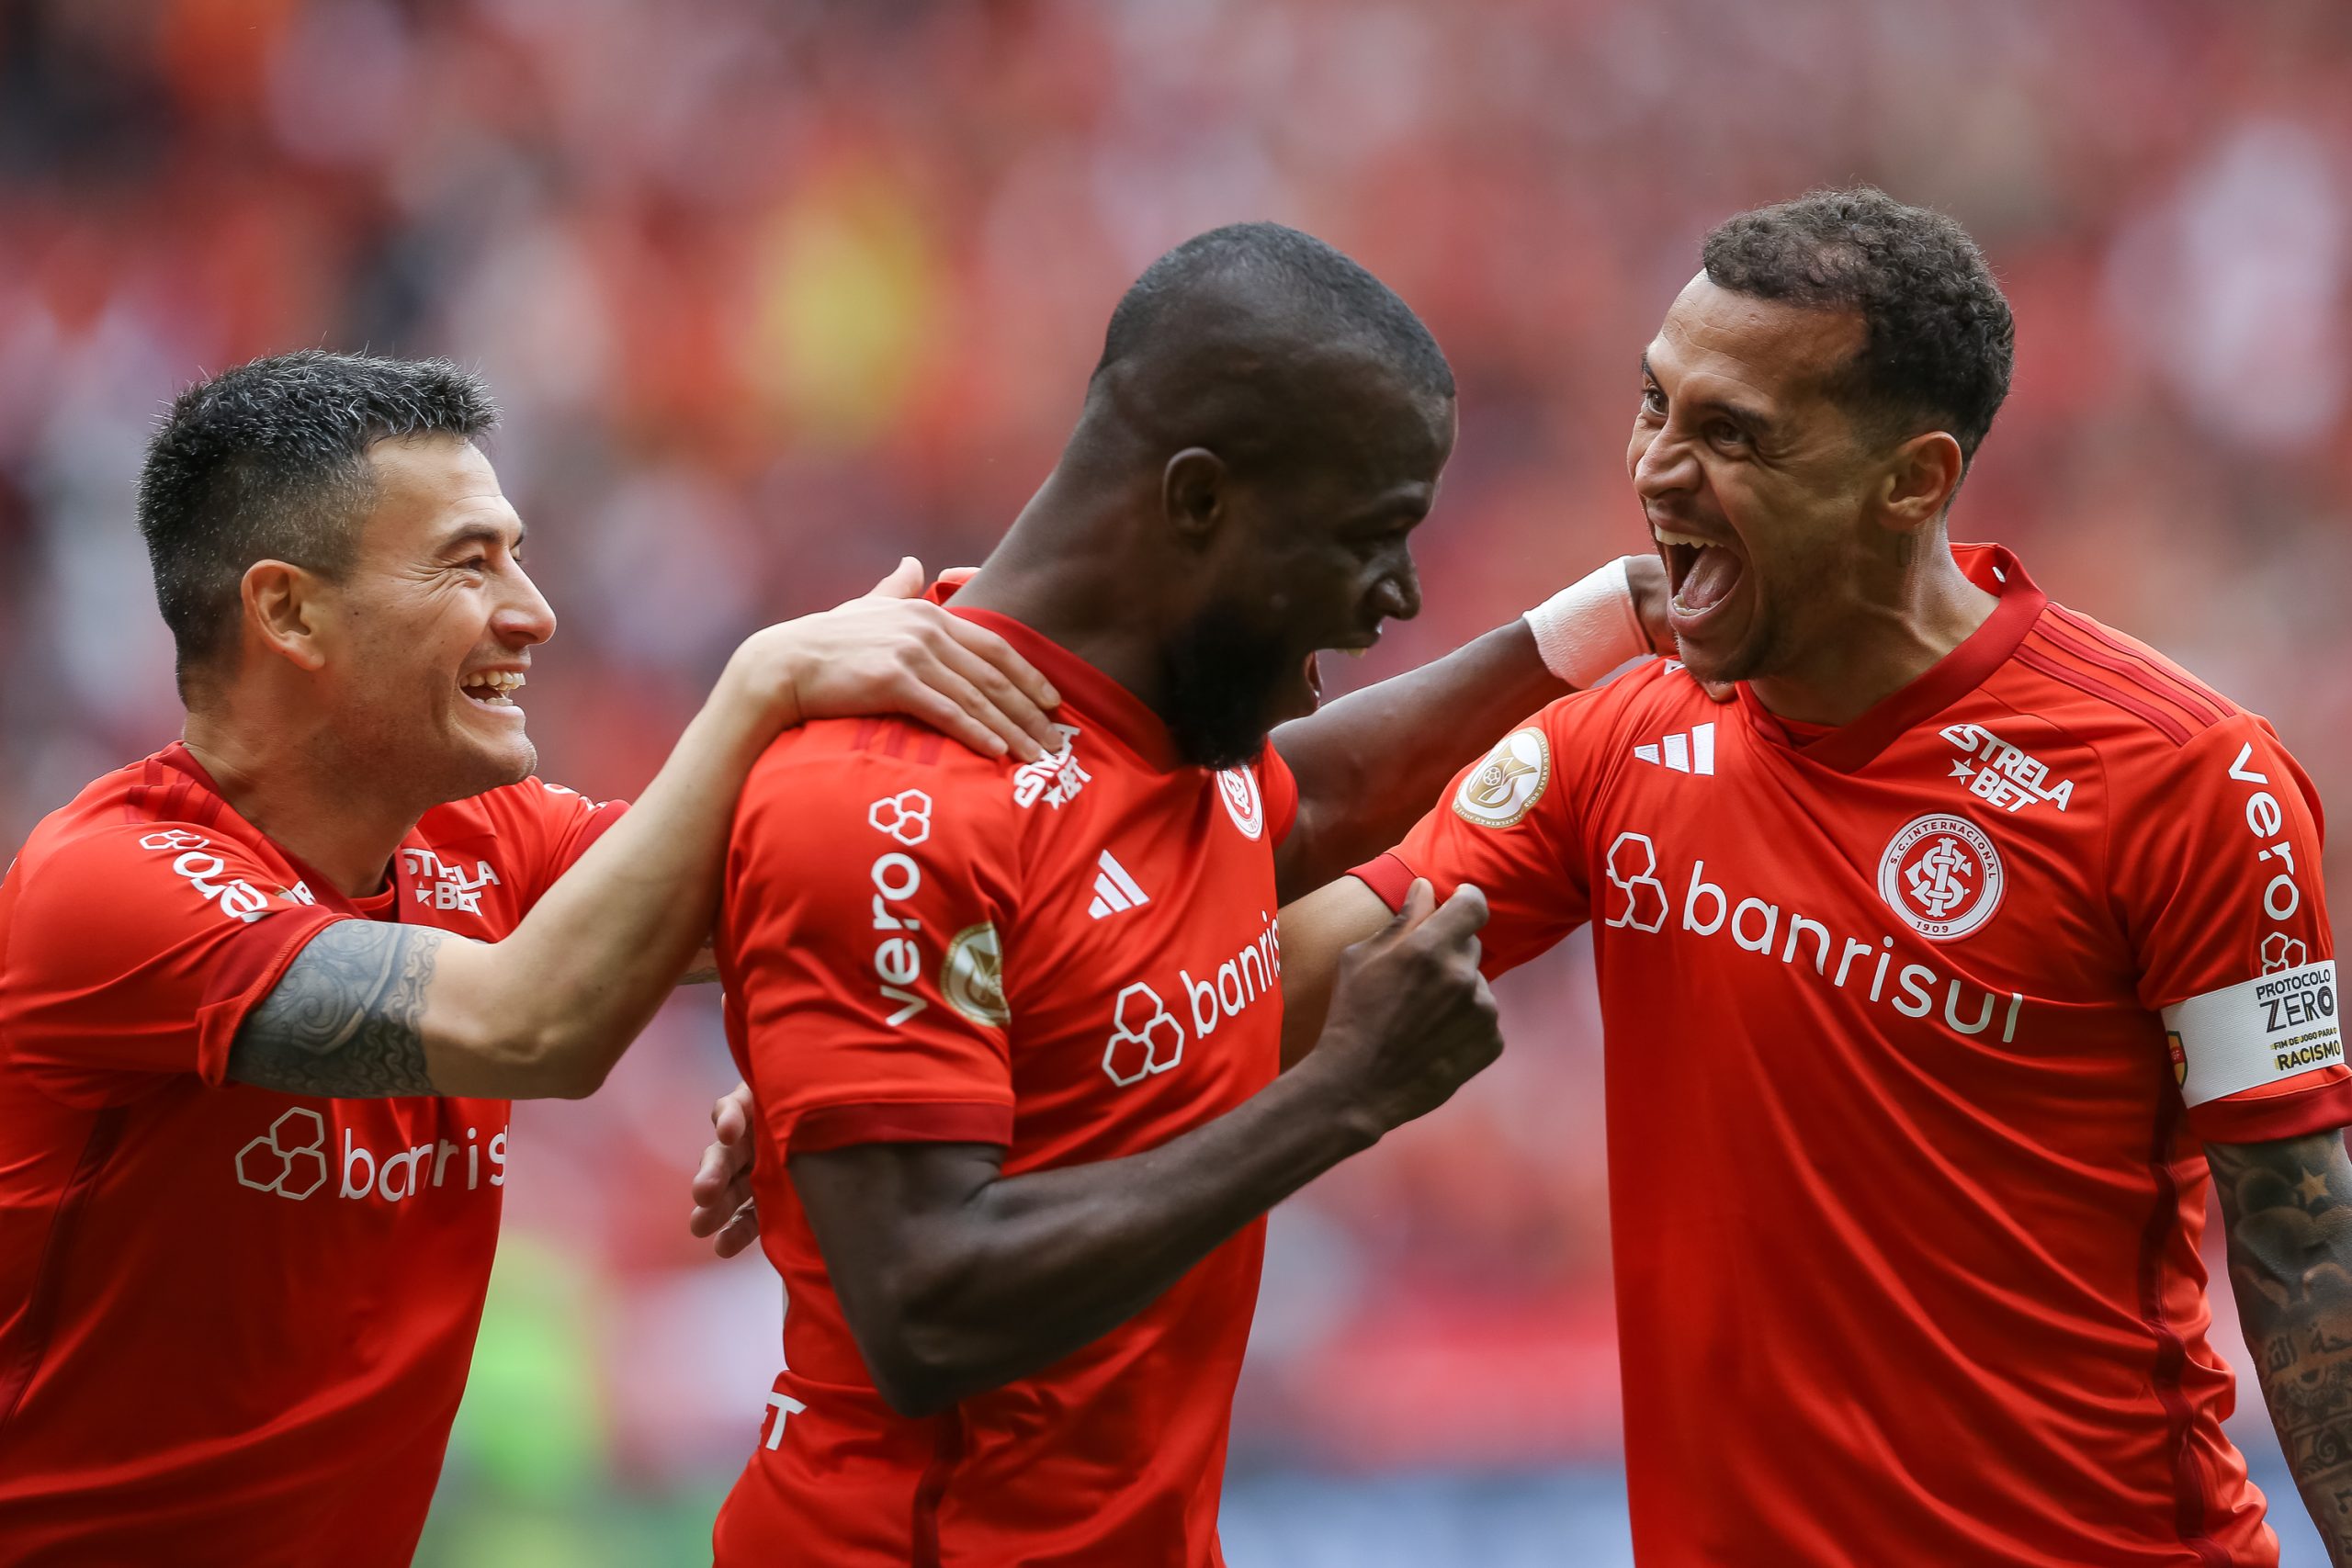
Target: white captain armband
{"x":2259,"y":1032}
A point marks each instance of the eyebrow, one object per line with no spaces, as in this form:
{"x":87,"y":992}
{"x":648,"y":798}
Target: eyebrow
{"x":484,"y":534}
{"x":1755,"y":419}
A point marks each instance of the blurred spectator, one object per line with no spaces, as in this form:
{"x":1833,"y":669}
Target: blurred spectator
{"x":773,"y":293}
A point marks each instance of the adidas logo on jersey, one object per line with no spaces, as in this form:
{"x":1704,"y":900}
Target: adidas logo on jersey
{"x":1115,"y":891}
{"x":1690,"y":752}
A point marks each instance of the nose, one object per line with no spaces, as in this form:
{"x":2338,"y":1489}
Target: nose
{"x":1662,"y":465}
{"x":1397,"y":596}
{"x":525,"y":618}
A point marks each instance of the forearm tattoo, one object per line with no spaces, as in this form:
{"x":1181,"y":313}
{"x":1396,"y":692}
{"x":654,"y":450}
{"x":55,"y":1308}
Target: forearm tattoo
{"x":344,"y":1018}
{"x":2287,"y":1207}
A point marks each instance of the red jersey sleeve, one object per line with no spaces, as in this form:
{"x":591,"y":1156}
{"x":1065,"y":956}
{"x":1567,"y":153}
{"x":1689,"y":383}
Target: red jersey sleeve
{"x":2218,"y":866}
{"x":863,"y":943}
{"x":1508,"y":826}
{"x":135,"y":951}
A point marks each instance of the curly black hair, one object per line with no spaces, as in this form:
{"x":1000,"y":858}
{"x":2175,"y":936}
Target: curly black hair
{"x":1940,"y":338}
{"x":269,"y":462}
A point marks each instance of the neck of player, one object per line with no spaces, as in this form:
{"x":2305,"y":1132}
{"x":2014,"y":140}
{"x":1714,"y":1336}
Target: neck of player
{"x":1067,"y":570}
{"x":341,"y":823}
{"x":1890,"y":621}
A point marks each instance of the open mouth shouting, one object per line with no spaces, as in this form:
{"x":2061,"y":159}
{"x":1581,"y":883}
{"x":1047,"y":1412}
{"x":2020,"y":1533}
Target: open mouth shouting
{"x":1703,"y":574}
{"x":1313,"y":669}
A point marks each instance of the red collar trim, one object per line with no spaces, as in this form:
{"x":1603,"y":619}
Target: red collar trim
{"x":1087,"y":689}
{"x":1950,"y":678}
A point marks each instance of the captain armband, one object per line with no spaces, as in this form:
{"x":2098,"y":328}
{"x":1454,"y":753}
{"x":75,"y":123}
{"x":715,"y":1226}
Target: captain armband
{"x":2256,"y":1032}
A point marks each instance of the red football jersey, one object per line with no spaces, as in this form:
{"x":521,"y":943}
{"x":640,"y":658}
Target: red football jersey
{"x":234,"y":1323}
{"x":1075,"y":959}
{"x":1914,"y":1028}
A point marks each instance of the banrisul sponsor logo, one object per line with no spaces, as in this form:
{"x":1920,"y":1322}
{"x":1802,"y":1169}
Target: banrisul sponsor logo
{"x":1644,"y":896}
{"x":1152,"y":1022}
{"x":296,"y":1158}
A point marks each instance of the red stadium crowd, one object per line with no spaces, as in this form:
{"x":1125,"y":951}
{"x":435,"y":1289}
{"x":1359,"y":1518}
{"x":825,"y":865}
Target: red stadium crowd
{"x":769,"y":302}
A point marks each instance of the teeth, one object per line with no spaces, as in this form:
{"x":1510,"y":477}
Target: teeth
{"x":499,"y":683}
{"x":1355,"y":652}
{"x":1669,"y":537}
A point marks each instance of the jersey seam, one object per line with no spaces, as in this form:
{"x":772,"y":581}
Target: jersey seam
{"x":2106,"y":817}
{"x":930,"y":1488}
{"x":97,"y":1148}
{"x":2164,"y":724}
{"x":2189,"y":1490}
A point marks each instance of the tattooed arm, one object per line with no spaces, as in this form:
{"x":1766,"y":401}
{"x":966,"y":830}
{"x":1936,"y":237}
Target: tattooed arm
{"x":378,"y":1008}
{"x":347,"y":1017}
{"x":2288,"y":1208}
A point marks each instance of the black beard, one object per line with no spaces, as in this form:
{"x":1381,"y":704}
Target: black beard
{"x":1221,"y":677}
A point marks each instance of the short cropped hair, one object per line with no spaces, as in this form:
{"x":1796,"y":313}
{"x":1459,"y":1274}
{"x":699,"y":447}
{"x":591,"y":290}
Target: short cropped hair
{"x":1941,"y":337}
{"x":1325,"y":292}
{"x":269,"y":462}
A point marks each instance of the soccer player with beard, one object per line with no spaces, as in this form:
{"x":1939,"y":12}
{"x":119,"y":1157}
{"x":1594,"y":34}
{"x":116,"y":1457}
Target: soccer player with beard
{"x":265,"y":996}
{"x":1926,"y":971}
{"x":1013,"y":1030}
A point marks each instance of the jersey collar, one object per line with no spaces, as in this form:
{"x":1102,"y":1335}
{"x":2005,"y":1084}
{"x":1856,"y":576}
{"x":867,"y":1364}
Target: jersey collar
{"x":385,"y":904}
{"x":1957,"y":674}
{"x":1082,"y":686}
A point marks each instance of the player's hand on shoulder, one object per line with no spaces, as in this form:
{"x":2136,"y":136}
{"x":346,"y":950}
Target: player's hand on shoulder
{"x":1412,"y":1018}
{"x":723,"y":1209}
{"x":894,"y":651}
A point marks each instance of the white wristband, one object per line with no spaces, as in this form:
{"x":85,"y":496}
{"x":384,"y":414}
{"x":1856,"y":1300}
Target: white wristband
{"x":1591,"y":627}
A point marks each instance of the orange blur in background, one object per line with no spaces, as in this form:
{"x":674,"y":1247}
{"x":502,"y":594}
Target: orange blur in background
{"x":773,"y":293}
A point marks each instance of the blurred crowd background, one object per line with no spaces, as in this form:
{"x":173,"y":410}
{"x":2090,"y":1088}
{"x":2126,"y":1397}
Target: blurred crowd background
{"x":773,"y":292}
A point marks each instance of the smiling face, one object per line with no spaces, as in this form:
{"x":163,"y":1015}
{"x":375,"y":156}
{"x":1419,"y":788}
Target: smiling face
{"x":1755,"y":482}
{"x":1314,"y":556}
{"x":432,"y":628}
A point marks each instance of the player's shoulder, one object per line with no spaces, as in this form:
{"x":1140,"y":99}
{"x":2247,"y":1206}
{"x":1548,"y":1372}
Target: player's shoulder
{"x":125,"y":816}
{"x":894,"y":774}
{"x":533,"y":803}
{"x":2112,"y":686}
{"x":145,"y":840}
{"x":2149,"y":717}
{"x":1653,"y":691}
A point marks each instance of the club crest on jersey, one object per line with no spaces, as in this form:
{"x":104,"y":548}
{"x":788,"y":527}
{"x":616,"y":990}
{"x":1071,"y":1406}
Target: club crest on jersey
{"x":1237,"y":787}
{"x":1943,"y":874}
{"x":1501,"y":790}
{"x":972,"y":979}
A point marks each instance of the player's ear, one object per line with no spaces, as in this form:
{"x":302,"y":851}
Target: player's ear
{"x":1917,"y":483}
{"x":1193,"y":493}
{"x":285,"y":609}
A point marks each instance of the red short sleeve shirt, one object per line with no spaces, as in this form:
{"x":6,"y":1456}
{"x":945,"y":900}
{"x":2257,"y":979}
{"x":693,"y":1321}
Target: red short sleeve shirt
{"x":1913,"y":1030}
{"x":1074,"y":959}
{"x":233,"y":1323}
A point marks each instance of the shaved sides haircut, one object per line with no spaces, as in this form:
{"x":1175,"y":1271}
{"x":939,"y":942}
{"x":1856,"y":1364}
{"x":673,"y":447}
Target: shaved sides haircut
{"x":269,"y":462}
{"x":1325,"y":295}
{"x":1231,"y":340}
